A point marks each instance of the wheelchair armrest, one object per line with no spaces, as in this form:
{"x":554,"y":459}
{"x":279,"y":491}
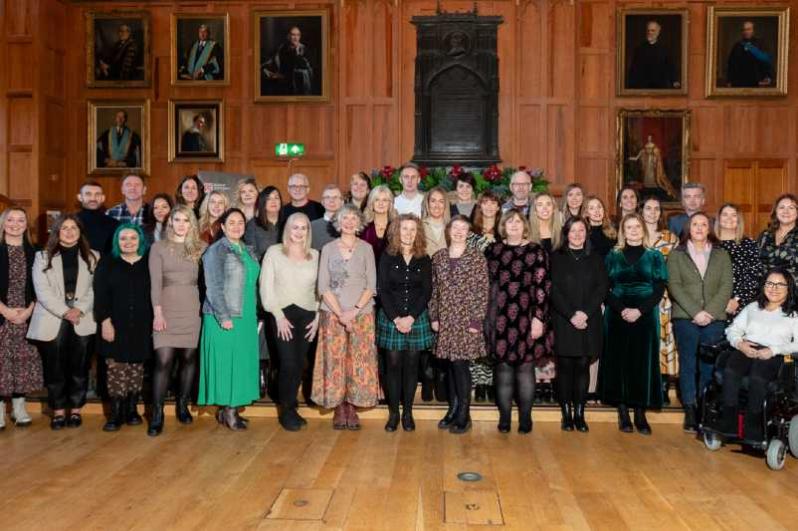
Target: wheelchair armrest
{"x":711,"y":351}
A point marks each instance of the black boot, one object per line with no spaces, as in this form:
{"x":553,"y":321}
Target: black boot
{"x":131,"y":414}
{"x":408,"y":423}
{"x":624,"y":422}
{"x":393,"y":419}
{"x":114,"y":421}
{"x":289,"y":419}
{"x":181,"y":411}
{"x":641,"y":422}
{"x":690,"y":424}
{"x":666,"y":397}
{"x":156,"y":421}
{"x":448,"y":419}
{"x":567,"y":422}
{"x":462,"y":420}
{"x":505,"y":420}
{"x":480,"y":393}
{"x":579,"y":418}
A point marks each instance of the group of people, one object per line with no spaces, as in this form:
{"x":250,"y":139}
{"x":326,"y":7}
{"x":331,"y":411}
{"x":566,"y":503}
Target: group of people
{"x":361,"y":296}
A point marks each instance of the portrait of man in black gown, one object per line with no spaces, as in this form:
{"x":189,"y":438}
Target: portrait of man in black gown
{"x":291,"y":61}
{"x":118,"y":50}
{"x":653,"y":53}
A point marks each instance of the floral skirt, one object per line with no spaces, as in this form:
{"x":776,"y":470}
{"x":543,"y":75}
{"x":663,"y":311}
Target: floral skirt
{"x":346,"y":363}
{"x":668,"y":356}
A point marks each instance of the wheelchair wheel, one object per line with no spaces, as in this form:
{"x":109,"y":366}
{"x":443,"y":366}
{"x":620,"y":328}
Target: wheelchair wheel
{"x":712,"y":441}
{"x":792,"y":436}
{"x":776,"y":454}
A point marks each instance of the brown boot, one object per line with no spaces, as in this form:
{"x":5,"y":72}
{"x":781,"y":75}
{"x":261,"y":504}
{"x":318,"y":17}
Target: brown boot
{"x":352,"y":420}
{"x":339,"y":417}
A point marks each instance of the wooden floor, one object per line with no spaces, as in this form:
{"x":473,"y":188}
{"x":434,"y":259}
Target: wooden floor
{"x":206,"y":477}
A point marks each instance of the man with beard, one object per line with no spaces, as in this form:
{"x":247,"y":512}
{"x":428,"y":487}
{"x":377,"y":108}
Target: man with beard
{"x":193,"y":139}
{"x":98,"y":228}
{"x":749,"y":64}
{"x":652,"y":67}
{"x":289,"y":68}
{"x":119,"y":146}
{"x":121,"y":60}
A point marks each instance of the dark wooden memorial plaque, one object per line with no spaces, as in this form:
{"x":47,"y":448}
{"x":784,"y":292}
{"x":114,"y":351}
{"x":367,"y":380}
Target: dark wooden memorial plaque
{"x":457,"y":89}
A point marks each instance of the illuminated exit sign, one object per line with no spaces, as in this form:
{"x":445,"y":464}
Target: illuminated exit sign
{"x":286,"y":149}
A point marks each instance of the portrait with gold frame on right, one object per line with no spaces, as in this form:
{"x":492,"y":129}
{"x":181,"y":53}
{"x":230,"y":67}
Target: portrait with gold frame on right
{"x":747,"y":51}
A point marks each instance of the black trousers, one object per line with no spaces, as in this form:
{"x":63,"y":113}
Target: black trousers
{"x":66,"y":367}
{"x":573,"y":378}
{"x":292,"y":355}
{"x":759,"y":372}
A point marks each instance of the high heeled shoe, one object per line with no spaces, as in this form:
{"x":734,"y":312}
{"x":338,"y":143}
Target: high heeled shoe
{"x":641,"y":423}
{"x":624,"y":422}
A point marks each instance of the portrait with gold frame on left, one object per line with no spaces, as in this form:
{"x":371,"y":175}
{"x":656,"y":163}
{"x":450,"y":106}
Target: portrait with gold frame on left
{"x":118,"y":49}
{"x":118,"y":137}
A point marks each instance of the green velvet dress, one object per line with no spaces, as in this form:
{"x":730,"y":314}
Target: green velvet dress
{"x":229,"y":359}
{"x":629,"y":371}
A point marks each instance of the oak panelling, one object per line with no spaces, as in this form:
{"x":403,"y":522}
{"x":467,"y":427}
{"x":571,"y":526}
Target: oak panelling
{"x":19,"y":169}
{"x":22,"y":115}
{"x":592,"y":135}
{"x":560,"y":143}
{"x":562,"y":49}
{"x":18,"y":64}
{"x":529,"y":44}
{"x":18,"y":18}
{"x":530,"y":140}
{"x":706,"y":130}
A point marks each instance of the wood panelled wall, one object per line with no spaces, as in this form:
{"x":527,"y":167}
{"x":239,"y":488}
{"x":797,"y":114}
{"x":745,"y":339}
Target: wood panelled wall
{"x":557,"y":99}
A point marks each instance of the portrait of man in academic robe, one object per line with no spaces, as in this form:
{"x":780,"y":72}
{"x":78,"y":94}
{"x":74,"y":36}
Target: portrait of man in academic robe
{"x":200,"y":54}
{"x":292,"y":50}
{"x":119,"y":146}
{"x":118,"y":49}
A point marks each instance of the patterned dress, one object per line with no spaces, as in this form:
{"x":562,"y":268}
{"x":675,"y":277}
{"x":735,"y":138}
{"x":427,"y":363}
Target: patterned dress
{"x":20,"y":364}
{"x":746,"y":269}
{"x":668,"y":356}
{"x":784,"y":255}
{"x":519,"y":276}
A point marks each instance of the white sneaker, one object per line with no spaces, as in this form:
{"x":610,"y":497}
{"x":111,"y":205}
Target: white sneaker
{"x":2,"y":414}
{"x":19,"y":413}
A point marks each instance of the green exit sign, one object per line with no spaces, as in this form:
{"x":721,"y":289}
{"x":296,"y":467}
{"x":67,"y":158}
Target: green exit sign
{"x":287,"y":149}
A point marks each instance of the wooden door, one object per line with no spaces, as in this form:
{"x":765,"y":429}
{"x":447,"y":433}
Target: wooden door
{"x":753,"y":185}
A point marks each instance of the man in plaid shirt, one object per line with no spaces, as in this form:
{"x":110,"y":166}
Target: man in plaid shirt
{"x":133,"y":209}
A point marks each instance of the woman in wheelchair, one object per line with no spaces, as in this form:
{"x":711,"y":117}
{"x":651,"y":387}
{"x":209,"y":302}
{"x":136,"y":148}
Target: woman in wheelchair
{"x":762,"y":334}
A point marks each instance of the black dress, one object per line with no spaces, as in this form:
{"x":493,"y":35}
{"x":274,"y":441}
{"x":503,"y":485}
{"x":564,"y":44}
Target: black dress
{"x":579,"y":283}
{"x":599,"y":242}
{"x":122,"y":292}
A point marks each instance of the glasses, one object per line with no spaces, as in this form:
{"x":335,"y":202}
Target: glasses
{"x":520,"y":184}
{"x":298,"y":186}
{"x":775,"y":285}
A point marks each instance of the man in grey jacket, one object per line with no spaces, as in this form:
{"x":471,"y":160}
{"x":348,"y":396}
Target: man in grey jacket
{"x":322,"y":229}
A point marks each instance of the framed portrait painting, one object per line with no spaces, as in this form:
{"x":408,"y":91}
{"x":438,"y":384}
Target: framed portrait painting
{"x":200,"y":49}
{"x":654,"y":152}
{"x":292,"y":51}
{"x":652,"y":52}
{"x":196,"y":131}
{"x":747,"y":51}
{"x":118,"y":137}
{"x":118,"y":49}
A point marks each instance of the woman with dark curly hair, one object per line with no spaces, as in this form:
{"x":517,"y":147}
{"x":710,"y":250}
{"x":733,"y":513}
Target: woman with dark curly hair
{"x":190,"y":192}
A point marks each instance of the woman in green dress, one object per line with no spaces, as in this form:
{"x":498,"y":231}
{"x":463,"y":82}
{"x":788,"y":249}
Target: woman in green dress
{"x":229,"y":343}
{"x":629,"y":374}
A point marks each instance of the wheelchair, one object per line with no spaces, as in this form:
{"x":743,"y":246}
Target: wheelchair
{"x":780,"y":410}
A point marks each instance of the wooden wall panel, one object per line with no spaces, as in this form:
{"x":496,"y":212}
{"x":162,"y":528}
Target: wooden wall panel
{"x":557,"y":99}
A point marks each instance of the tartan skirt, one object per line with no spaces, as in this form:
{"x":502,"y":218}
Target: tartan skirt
{"x":419,"y":338}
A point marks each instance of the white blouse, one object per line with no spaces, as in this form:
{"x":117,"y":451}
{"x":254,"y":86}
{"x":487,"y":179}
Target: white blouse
{"x":772,"y":329}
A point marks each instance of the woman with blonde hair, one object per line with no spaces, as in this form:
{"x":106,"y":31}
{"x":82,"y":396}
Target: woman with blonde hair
{"x":288,"y":293}
{"x":378,"y":214}
{"x":545,"y":222}
{"x":629,"y":373}
{"x":174,"y":270}
{"x":744,"y":254}
{"x":213,"y":206}
{"x":403,"y":326}
{"x":246,"y":196}
{"x":435,"y":214}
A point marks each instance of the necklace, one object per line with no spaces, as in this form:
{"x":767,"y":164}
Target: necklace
{"x":576,"y":256}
